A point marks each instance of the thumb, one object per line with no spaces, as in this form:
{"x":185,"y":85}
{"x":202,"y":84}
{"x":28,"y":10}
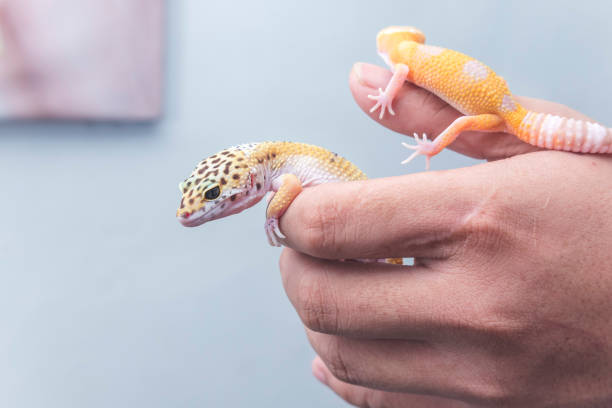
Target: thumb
{"x":418,"y":110}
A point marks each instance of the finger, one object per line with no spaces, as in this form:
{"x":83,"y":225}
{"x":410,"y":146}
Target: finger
{"x":372,"y":398}
{"x":421,"y":111}
{"x":373,"y":300}
{"x":418,"y":215}
{"x":397,"y":366}
{"x":382,"y":301}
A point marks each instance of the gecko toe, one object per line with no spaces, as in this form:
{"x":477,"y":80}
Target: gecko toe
{"x":273,"y":232}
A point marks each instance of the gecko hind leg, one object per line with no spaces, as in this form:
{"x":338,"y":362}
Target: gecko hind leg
{"x":423,"y":147}
{"x":486,"y":122}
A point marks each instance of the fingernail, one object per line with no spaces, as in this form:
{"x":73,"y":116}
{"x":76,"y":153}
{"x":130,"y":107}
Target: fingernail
{"x":318,"y":370}
{"x":358,"y":70}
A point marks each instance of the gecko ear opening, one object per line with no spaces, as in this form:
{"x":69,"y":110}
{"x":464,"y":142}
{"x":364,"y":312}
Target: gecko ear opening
{"x":212,"y":193}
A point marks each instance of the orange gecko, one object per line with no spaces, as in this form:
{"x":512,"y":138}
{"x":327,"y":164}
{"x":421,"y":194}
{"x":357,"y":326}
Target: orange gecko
{"x":476,"y":91}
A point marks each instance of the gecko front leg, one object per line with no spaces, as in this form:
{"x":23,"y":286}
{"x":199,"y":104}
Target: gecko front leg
{"x":285,"y":188}
{"x":384,"y":99}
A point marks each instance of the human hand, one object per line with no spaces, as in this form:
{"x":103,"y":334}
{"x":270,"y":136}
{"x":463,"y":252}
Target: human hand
{"x":509,"y":300}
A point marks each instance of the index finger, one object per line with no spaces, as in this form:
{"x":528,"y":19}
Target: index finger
{"x":417,"y":215}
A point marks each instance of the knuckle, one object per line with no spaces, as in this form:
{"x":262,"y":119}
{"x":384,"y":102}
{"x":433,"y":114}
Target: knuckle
{"x":484,"y":228}
{"x":501,"y":340}
{"x":315,"y":307}
{"x":497,"y":325}
{"x":320,"y":222}
{"x":336,"y":360}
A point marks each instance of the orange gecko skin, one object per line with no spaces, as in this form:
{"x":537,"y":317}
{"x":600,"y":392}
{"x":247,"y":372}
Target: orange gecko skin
{"x":478,"y":92}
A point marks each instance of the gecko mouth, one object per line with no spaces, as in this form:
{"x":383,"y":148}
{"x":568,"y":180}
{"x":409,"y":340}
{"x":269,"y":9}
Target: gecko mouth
{"x":192,"y":220}
{"x":201,"y":216}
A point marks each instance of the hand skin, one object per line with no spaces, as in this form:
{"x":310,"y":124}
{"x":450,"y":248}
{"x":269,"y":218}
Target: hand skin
{"x":509,"y":302}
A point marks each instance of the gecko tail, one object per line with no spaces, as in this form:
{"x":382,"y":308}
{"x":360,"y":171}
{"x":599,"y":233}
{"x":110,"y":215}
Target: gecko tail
{"x":561,"y":133}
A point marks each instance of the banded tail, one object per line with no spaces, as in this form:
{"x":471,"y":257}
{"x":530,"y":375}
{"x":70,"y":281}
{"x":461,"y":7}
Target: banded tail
{"x":560,"y":133}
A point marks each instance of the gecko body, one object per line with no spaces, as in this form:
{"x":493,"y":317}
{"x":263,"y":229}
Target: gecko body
{"x":479,"y":93}
{"x":237,"y":178}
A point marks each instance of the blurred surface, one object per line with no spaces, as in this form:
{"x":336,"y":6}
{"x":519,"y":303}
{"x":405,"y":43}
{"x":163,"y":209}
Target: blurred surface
{"x":105,"y":300}
{"x":81,"y":59}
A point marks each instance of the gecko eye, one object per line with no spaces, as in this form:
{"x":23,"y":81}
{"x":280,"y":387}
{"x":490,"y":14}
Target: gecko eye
{"x":212,"y":193}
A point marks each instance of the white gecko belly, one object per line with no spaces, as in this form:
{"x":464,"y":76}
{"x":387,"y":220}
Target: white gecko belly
{"x":308,"y":169}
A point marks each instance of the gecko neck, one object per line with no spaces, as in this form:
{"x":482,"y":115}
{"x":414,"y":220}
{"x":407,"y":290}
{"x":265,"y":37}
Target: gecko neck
{"x":310,"y":164}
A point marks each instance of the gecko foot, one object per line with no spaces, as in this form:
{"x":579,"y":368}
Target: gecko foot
{"x":383,"y":101}
{"x":273,"y":232}
{"x":424,"y":147}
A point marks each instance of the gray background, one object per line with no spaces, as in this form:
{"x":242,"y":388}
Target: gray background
{"x":105,"y":300}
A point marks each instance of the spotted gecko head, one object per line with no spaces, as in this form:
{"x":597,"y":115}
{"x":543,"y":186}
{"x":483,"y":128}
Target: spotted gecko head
{"x":219,"y":186}
{"x":389,"y":38}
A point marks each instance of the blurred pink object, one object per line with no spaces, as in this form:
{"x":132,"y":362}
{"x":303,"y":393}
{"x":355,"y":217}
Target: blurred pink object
{"x":81,"y":59}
